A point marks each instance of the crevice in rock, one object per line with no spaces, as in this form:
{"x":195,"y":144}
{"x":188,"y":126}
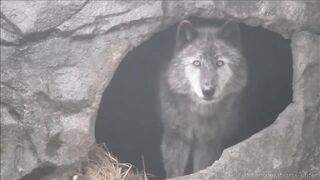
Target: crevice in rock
{"x":164,"y":7}
{"x":76,"y":12}
{"x":15,"y":28}
{"x":67,"y":106}
{"x":12,"y":111}
{"x":54,"y":145}
{"x":7,"y":43}
{"x":33,"y":147}
{"x":131,"y":24}
{"x":98,"y":18}
{"x":36,"y":36}
{"x":83,"y":37}
{"x":32,"y":37}
{"x":43,"y":170}
{"x":120,"y":27}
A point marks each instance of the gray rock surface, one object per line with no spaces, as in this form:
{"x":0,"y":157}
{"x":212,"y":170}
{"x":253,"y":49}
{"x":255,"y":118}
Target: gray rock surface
{"x":57,"y":57}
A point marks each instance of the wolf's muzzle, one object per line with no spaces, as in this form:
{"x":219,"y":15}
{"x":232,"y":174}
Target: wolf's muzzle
{"x":208,"y":92}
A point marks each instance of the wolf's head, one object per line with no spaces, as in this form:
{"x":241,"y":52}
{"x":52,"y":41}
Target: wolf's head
{"x":208,"y":63}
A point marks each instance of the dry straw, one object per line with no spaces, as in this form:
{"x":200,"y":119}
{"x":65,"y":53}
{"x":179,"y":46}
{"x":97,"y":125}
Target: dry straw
{"x":101,"y":165}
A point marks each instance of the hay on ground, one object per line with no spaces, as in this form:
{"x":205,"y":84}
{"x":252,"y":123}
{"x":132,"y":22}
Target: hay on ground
{"x":101,"y":165}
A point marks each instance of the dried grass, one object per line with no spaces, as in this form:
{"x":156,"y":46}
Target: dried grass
{"x":101,"y":165}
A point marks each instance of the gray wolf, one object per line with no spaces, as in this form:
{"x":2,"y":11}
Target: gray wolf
{"x":199,"y":94}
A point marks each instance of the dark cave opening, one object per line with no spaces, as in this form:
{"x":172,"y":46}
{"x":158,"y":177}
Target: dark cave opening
{"x":128,"y":118}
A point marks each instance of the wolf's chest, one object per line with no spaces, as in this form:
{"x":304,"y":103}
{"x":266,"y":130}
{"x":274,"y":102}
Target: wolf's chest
{"x":204,"y":127}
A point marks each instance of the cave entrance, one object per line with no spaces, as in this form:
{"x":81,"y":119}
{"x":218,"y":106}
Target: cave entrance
{"x":128,"y":118}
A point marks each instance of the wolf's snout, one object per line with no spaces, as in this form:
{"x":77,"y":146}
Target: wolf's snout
{"x":208,"y":92}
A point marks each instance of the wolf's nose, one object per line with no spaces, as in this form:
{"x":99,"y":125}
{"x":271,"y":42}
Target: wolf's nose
{"x":208,"y":92}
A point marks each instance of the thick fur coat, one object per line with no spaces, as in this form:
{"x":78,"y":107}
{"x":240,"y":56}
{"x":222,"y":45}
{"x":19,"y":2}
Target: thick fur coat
{"x":199,"y":95}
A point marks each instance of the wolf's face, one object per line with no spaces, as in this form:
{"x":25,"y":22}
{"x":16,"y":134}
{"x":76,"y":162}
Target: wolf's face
{"x":208,"y":64}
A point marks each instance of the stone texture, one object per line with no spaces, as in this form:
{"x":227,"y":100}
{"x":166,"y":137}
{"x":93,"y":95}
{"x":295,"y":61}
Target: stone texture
{"x":57,"y":57}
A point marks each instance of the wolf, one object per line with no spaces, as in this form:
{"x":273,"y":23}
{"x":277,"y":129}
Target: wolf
{"x":200,"y":91}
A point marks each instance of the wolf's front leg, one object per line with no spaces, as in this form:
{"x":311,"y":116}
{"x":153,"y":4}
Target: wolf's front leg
{"x":205,"y":154}
{"x":175,"y":154}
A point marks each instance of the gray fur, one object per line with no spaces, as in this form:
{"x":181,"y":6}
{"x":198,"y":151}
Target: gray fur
{"x":192,"y":124}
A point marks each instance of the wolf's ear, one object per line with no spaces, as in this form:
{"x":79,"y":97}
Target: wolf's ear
{"x":185,"y":34}
{"x":230,"y":32}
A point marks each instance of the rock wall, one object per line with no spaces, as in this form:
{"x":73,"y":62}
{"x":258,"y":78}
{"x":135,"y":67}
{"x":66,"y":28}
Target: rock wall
{"x":57,"y":57}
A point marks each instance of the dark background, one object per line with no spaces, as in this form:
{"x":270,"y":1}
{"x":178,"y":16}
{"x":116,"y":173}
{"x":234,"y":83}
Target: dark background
{"x":128,"y":119}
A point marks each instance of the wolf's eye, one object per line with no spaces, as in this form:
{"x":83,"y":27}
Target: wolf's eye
{"x":220,"y":63}
{"x":196,"y":63}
